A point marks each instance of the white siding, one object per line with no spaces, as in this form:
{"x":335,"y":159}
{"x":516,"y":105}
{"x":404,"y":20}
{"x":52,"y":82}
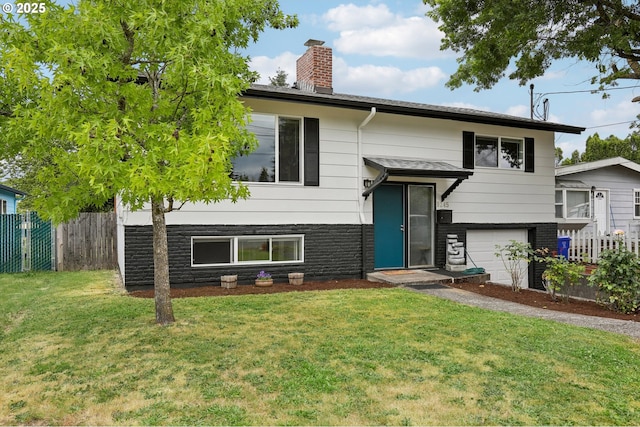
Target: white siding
{"x":489,"y":196}
{"x":481,"y":248}
{"x":620,"y":181}
{"x":120,"y":236}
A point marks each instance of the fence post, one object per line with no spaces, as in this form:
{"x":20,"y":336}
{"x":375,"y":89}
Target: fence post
{"x":26,"y":241}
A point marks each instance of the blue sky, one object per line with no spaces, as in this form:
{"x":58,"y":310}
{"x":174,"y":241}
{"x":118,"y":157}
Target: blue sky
{"x":390,"y":49}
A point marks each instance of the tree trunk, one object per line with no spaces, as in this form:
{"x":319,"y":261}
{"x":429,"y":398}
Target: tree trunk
{"x":162,"y":287}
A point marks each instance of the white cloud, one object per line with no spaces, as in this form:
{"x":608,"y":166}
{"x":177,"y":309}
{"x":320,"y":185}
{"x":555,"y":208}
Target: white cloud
{"x":466,"y":105}
{"x":569,"y":146}
{"x":554,"y":119}
{"x":553,"y":75}
{"x":519,"y":111}
{"x":365,"y":79}
{"x":348,"y":17}
{"x":268,"y":67}
{"x":375,"y":30}
{"x":613,"y":120}
{"x":383,"y":80}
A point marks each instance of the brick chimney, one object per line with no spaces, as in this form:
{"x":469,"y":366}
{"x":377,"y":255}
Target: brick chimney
{"x":314,"y":69}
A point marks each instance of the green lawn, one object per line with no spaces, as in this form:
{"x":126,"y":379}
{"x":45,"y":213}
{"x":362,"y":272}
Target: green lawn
{"x":73,"y":350}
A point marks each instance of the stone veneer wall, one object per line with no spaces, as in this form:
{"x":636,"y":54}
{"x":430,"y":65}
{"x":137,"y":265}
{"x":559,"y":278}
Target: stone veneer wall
{"x":330,"y":252}
{"x":541,"y":235}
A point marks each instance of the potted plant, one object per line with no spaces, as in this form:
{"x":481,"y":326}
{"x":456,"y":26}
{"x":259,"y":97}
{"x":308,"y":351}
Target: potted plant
{"x":296,"y":278}
{"x":264,"y":279}
{"x":229,"y":281}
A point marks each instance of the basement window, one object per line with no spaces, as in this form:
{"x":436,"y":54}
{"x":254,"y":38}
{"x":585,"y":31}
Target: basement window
{"x":212,"y":251}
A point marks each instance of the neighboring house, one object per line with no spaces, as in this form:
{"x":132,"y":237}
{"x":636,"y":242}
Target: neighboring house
{"x":600,"y":196}
{"x":343,"y":185}
{"x":9,"y":198}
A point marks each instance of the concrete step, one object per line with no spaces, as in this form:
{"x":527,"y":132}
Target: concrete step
{"x":408,"y":277}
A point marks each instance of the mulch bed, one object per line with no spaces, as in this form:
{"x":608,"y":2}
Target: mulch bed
{"x":540,"y":299}
{"x":217,"y":290}
{"x":525,"y":296}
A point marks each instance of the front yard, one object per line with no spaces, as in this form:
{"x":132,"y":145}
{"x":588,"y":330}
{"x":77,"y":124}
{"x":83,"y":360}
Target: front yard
{"x":73,"y":350}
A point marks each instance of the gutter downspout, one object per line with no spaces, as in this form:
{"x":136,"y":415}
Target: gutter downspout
{"x":359,"y":192}
{"x":359,"y":160}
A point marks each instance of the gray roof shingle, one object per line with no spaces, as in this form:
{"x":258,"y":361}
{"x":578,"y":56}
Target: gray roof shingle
{"x":365,"y":103}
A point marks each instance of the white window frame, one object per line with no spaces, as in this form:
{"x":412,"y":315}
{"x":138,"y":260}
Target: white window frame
{"x":636,"y":202}
{"x":499,"y":153}
{"x":234,"y":256}
{"x":276,"y":120}
{"x":4,"y":206}
{"x":565,"y":207}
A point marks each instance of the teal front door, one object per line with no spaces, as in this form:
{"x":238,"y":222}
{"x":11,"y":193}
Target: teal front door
{"x":403,"y":225}
{"x":388,"y":226}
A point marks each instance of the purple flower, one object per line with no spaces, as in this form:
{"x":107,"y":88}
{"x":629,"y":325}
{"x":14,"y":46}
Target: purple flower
{"x":263,"y":276}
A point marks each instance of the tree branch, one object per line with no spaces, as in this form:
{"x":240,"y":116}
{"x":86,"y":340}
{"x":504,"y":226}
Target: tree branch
{"x":128,"y":35}
{"x":618,"y":8}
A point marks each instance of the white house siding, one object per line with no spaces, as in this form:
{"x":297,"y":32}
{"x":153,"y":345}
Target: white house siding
{"x":481,"y":246}
{"x":333,"y":202}
{"x":489,"y":195}
{"x":120,"y":215}
{"x":336,"y":241}
{"x":620,"y":181}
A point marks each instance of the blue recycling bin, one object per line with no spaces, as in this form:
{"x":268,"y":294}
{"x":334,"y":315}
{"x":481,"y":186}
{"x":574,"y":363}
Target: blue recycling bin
{"x":563,"y":246}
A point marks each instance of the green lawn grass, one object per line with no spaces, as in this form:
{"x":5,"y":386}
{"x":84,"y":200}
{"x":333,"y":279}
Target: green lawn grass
{"x":74,"y":350}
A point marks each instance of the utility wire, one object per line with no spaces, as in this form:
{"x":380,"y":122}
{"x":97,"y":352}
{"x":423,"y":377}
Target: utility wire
{"x":586,"y":90}
{"x":610,"y":124}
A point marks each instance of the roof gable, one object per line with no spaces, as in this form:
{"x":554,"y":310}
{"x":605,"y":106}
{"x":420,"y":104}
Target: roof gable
{"x":12,"y":190}
{"x":598,"y":164}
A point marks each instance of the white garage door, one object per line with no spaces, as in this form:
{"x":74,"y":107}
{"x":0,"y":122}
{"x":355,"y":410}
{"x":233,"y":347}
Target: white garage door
{"x":481,"y":247}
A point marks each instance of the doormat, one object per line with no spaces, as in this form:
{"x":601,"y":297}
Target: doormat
{"x":398,"y":272}
{"x":428,"y":286}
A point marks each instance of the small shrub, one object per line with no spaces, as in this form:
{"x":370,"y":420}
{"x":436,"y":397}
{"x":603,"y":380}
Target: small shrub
{"x":618,"y":277}
{"x":559,"y":274}
{"x":516,"y":257}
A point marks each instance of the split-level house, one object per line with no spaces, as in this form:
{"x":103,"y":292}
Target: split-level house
{"x":344,"y":185}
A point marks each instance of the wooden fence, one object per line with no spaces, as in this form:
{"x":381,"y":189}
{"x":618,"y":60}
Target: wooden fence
{"x":586,"y":246}
{"x":87,"y":242}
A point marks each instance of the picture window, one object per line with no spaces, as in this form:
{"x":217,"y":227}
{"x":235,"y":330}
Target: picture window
{"x":277,"y":157}
{"x":498,"y":152}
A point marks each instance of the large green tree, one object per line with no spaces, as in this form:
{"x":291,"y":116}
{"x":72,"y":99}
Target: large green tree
{"x":137,"y":99}
{"x":598,"y":148}
{"x":494,"y":36}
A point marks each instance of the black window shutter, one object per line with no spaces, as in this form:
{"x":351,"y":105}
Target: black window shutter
{"x":311,"y":151}
{"x":468,"y":141}
{"x":529,"y":155}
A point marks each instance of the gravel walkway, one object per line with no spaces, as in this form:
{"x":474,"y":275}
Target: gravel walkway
{"x":625,"y":327}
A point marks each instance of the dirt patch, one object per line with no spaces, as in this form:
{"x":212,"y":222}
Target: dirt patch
{"x":527,"y":297}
